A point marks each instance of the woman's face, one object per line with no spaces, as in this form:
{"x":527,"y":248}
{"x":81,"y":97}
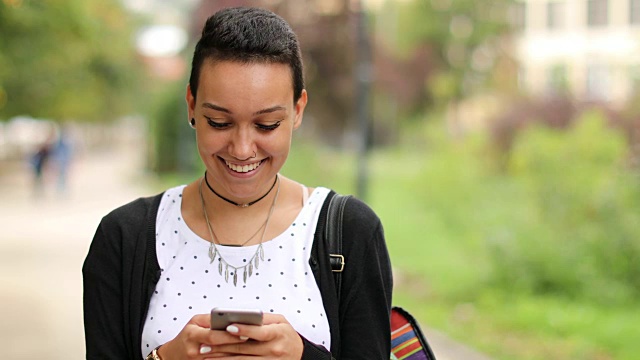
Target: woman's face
{"x":242,"y":110}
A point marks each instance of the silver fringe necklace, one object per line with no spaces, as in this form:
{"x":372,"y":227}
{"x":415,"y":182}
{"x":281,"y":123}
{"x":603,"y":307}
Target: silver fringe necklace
{"x":223,"y":265}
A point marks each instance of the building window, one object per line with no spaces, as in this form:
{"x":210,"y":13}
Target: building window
{"x":634,"y":12}
{"x":597,"y":82}
{"x":518,"y":15}
{"x":597,"y":13}
{"x":557,"y":82}
{"x":556,"y":14}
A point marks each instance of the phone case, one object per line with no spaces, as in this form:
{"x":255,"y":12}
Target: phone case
{"x":221,"y":318}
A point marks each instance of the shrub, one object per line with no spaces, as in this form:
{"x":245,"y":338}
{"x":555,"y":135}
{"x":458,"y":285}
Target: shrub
{"x":579,"y":235}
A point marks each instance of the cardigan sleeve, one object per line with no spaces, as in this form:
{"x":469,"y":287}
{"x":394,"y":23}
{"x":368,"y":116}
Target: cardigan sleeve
{"x":118,"y":277}
{"x":105,"y":334}
{"x":312,"y":351}
{"x":365,"y":301}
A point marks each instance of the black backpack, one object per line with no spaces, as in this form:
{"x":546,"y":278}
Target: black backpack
{"x":407,"y":340}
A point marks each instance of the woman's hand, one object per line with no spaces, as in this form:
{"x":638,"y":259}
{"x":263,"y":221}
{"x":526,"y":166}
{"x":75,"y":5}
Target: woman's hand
{"x":197,"y":341}
{"x":275,"y":339}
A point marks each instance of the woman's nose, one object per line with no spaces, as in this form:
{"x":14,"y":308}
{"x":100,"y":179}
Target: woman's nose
{"x":242,"y":145}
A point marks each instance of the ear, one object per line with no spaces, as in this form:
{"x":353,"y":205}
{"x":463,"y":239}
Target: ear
{"x":299,"y":108}
{"x":191,"y":103}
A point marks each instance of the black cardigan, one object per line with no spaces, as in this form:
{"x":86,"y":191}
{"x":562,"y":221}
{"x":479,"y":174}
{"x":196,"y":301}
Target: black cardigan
{"x":121,"y":270}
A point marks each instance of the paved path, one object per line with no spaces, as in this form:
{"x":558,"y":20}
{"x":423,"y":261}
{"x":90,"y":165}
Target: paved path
{"x":43,"y":242}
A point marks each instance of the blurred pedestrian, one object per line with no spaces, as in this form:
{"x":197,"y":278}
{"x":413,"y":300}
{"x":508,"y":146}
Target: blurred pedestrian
{"x":39,"y":161}
{"x":61,"y":155}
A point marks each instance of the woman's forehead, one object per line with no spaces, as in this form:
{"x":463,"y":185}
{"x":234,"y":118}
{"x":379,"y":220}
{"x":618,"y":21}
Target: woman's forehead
{"x":227,"y":70}
{"x":230,"y":74}
{"x":250,"y":86}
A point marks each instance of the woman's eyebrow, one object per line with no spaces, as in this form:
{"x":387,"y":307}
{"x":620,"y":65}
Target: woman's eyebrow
{"x":216,"y":107}
{"x":270,"y":110}
{"x":259,"y":112}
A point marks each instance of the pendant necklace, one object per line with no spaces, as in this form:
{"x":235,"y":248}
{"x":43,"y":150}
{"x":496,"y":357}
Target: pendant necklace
{"x":214,"y":253}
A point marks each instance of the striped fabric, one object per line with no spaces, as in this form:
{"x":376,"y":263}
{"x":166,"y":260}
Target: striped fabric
{"x":407,"y":341}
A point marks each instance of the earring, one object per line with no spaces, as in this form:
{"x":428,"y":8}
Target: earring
{"x":193,"y":123}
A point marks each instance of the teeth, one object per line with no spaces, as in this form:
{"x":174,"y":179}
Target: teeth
{"x":242,"y":168}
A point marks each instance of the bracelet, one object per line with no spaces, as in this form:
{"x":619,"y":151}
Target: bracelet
{"x":153,"y":355}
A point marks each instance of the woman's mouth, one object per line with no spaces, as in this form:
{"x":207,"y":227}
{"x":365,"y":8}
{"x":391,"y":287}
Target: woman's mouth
{"x":243,"y":168}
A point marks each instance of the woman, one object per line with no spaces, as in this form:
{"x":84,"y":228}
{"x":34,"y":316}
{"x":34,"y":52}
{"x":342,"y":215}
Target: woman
{"x":242,"y":236}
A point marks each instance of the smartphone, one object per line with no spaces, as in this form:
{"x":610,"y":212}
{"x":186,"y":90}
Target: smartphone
{"x":223,"y":317}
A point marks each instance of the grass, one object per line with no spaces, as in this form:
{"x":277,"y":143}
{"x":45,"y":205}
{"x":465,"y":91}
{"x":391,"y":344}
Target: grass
{"x":439,"y":222}
{"x":526,"y":327}
{"x":437,"y":241}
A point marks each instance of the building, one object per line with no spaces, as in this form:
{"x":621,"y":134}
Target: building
{"x":588,"y":48}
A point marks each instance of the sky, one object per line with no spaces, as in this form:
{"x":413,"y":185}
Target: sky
{"x":166,"y":36}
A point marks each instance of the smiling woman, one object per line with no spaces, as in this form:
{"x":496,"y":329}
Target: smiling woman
{"x":242,"y":236}
{"x":242,"y":110}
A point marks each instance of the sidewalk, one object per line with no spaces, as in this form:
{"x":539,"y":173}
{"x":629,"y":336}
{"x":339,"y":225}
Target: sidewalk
{"x":43,"y":244}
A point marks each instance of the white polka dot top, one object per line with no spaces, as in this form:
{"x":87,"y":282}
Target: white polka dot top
{"x":189,"y":285}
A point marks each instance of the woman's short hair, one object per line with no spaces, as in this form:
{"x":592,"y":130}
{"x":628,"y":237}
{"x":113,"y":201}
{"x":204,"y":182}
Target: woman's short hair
{"x":248,"y":35}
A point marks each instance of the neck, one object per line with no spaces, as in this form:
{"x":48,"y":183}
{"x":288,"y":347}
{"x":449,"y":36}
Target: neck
{"x":239,"y":204}
{"x":236,"y":227}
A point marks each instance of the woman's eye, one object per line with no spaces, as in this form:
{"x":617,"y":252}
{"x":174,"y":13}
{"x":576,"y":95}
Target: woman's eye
{"x":269,"y":127}
{"x":217,"y":125}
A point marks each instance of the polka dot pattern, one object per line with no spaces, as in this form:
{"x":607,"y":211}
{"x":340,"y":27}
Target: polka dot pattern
{"x":191,"y":285}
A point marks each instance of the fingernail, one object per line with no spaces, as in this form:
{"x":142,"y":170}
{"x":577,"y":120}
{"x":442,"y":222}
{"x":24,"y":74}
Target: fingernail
{"x":243,"y":337}
{"x":205,"y":349}
{"x":232,"y":329}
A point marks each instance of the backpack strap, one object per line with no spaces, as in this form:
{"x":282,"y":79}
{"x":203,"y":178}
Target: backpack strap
{"x":333,"y":237}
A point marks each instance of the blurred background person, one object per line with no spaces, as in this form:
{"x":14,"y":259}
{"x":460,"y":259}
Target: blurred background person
{"x":40,"y":162}
{"x":62,"y":152}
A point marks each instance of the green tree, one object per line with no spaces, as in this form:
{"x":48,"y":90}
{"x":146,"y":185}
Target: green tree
{"x":457,"y":42}
{"x":66,"y":59}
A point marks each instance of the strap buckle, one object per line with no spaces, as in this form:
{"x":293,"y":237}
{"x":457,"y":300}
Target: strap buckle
{"x":339,"y":262}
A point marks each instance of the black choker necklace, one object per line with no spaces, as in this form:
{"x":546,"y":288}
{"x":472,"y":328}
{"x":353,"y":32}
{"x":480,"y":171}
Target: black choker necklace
{"x":235,"y":203}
